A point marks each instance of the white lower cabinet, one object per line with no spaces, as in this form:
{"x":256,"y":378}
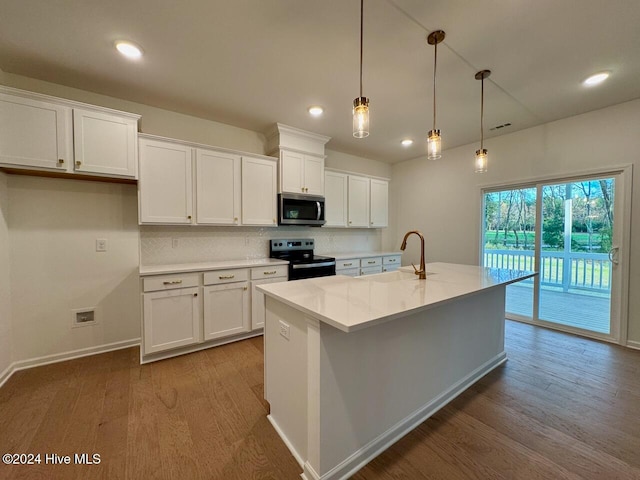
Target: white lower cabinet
{"x":261,"y":276}
{"x":186,"y":311}
{"x":391,"y":263}
{"x":171,"y":319}
{"x":349,"y":267}
{"x":226,"y":310}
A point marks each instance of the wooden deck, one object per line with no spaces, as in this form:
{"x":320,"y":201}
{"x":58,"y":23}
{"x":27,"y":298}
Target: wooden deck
{"x":574,"y":309}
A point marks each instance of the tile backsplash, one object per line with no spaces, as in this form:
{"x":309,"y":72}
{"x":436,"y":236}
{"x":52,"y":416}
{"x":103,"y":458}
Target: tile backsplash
{"x":160,"y":245}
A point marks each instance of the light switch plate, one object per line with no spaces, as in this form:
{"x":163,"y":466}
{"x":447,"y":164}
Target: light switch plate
{"x":101,"y":244}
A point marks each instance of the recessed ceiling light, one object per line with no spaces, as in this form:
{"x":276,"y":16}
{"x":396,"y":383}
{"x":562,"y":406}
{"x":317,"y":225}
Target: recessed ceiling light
{"x":316,"y":111}
{"x":596,"y":79}
{"x":129,"y":50}
{"x":406,"y":142}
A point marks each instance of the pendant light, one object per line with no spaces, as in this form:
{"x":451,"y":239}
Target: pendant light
{"x":434,"y":140}
{"x":361,"y":104}
{"x":481,"y":155}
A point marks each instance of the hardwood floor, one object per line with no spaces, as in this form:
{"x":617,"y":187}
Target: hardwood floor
{"x":561,"y":407}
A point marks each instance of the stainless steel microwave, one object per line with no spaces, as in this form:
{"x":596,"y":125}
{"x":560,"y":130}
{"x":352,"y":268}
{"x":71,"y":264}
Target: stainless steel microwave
{"x":300,"y":210}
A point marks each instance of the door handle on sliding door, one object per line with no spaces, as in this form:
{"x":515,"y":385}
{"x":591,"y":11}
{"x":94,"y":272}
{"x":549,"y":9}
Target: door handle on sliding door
{"x":613,"y":255}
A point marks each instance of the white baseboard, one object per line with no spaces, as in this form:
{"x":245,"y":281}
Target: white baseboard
{"x":375,"y":447}
{"x":154,"y":357}
{"x":61,"y":357}
{"x":633,"y":344}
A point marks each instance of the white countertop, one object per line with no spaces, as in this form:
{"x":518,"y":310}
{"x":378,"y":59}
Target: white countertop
{"x":351,"y":304}
{"x":203,"y":266}
{"x":344,"y":256}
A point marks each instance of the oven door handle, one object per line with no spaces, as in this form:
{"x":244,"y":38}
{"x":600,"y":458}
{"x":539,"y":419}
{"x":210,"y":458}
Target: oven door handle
{"x":319,"y":210}
{"x":312,"y":265}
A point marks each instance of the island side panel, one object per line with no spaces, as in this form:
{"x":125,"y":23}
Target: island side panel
{"x":286,"y":375}
{"x":378,"y":383}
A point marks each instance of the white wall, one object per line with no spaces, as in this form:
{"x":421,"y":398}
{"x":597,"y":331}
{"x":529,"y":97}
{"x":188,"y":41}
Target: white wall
{"x":442,"y":198}
{"x":54,"y":224}
{"x":353,"y":163}
{"x":5,"y":285}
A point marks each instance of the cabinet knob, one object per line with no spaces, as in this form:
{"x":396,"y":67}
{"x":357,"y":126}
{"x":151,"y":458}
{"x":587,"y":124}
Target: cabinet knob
{"x":60,"y":161}
{"x":195,"y":294}
{"x":244,"y":288}
{"x":302,"y":188}
{"x":189,"y":217}
{"x":350,"y":221}
{"x":274,"y":220}
{"x":371,"y":223}
{"x":78,"y":163}
{"x":235,"y":219}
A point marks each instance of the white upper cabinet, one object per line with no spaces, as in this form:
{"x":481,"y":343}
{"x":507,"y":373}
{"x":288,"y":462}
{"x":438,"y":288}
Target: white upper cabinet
{"x":34,"y":133}
{"x":379,"y":205}
{"x":165,"y":187}
{"x":301,"y":173}
{"x":104,"y":143}
{"x":313,"y":175}
{"x":218,"y":184}
{"x":358,"y":201}
{"x":39,"y":132}
{"x":335,"y":201}
{"x":291,"y":172}
{"x":259,"y":178}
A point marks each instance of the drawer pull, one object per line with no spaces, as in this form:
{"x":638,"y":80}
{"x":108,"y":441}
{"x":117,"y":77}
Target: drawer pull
{"x":60,"y":161}
{"x":392,"y":260}
{"x":347,"y":264}
{"x":273,"y":272}
{"x":173,"y":282}
{"x":78,"y":163}
{"x":371,"y":261}
{"x":225,"y":277}
{"x":195,"y":294}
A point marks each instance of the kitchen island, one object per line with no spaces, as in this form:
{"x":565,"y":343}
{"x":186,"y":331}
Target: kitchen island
{"x":354,"y":364}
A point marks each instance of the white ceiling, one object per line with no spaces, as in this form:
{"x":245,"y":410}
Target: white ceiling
{"x":252,"y":63}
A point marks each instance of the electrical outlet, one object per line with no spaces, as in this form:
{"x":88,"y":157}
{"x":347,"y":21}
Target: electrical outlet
{"x":284,"y":329}
{"x":101,"y":244}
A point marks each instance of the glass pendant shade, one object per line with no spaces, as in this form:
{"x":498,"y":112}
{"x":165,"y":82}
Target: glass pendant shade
{"x":481,"y":160}
{"x":361,"y":117}
{"x":434,"y":145}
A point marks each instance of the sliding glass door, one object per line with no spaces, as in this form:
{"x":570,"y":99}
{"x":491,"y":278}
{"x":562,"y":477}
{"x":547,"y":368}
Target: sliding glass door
{"x":569,"y":232}
{"x":576,"y":268}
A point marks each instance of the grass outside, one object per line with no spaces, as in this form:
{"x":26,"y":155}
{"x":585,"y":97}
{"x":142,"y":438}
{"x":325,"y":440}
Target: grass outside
{"x":509,"y":241}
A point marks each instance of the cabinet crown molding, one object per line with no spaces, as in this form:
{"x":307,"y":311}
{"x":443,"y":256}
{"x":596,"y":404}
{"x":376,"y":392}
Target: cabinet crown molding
{"x":65,"y":102}
{"x":283,"y":136}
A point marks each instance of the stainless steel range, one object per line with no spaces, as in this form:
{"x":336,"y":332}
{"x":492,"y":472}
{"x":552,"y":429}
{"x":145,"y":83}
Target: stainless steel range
{"x":302,"y":262}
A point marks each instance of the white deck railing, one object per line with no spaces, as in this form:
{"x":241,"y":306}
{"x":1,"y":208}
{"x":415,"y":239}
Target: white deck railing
{"x":588,"y":271}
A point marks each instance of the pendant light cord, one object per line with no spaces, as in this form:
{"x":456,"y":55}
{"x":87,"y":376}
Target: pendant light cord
{"x":482,"y":114}
{"x":435,"y":65}
{"x":361,"y":37}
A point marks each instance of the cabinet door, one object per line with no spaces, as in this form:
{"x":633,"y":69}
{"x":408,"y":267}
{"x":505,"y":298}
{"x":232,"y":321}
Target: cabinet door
{"x":257,"y":301}
{"x":335,"y":199}
{"x":217,"y":188}
{"x":34,"y":133}
{"x":104,"y":143}
{"x":259,"y":192}
{"x":358,"y":201}
{"x":164,"y":189}
{"x":291,"y":172}
{"x":313,"y":175}
{"x":226,"y":310}
{"x":379,"y":203}
{"x":171,"y":319}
